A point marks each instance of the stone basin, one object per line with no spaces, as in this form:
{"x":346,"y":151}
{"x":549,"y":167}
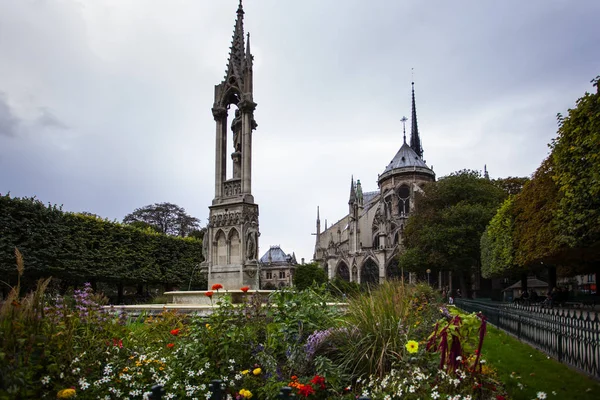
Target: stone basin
{"x":199,"y":297}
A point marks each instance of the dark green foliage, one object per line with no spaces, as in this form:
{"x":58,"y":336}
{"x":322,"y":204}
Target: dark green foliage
{"x":511,"y":185}
{"x":444,"y":231}
{"x":77,"y":248}
{"x":307,"y":275}
{"x":576,"y":158}
{"x":497,"y":247}
{"x":166,"y":218}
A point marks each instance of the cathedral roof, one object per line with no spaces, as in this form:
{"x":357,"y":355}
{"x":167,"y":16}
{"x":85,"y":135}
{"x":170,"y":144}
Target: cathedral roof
{"x":405,"y":157}
{"x":276,"y":255}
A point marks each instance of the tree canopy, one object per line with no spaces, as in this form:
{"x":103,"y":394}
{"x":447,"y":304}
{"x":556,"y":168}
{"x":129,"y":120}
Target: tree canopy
{"x":166,"y":218}
{"x":444,"y":231}
{"x":576,"y":158}
{"x":307,"y":275}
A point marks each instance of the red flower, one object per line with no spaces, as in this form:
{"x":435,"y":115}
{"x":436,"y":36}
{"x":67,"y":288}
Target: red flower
{"x":245,"y":289}
{"x":208,"y":294}
{"x":500,"y":397}
{"x":306,"y":390}
{"x":216,"y":286}
{"x":318,"y":381}
{"x":175,"y":332}
{"x":118,"y":343}
{"x":170,"y":345}
{"x":294,"y":378}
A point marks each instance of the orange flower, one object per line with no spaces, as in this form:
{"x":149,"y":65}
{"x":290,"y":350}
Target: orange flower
{"x":216,"y":286}
{"x":294,"y":378}
{"x":208,"y":294}
{"x":170,"y":345}
{"x":175,"y":332}
{"x":245,"y":289}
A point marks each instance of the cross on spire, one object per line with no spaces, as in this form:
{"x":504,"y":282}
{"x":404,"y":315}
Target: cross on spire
{"x":403,"y":120}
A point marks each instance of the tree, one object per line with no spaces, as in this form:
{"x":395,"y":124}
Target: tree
{"x":576,"y":157}
{"x":497,"y":245}
{"x":166,"y":218}
{"x":511,"y":185}
{"x":307,"y":275}
{"x":444,"y":231}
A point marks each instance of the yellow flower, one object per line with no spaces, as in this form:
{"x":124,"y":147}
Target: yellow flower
{"x":257,"y":371}
{"x":412,"y":346}
{"x":66,"y":393}
{"x":207,"y":326}
{"x":245,"y":372}
{"x":246,"y":393}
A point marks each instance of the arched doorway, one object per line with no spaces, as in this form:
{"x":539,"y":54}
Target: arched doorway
{"x":343,"y":272}
{"x":369,"y":273}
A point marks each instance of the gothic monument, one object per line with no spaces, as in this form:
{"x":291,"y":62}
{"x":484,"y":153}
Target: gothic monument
{"x":363,"y":246}
{"x":231,"y":241}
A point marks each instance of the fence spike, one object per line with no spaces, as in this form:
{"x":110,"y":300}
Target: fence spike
{"x":156,"y":392}
{"x":217,"y":387}
{"x":286,"y":393}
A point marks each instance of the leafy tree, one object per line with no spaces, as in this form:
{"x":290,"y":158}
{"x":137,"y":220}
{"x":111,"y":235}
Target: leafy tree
{"x":307,"y":275}
{"x":535,"y":232}
{"x":576,"y":157}
{"x":511,"y":185}
{"x":166,"y":218}
{"x":444,"y":231}
{"x":497,"y":247}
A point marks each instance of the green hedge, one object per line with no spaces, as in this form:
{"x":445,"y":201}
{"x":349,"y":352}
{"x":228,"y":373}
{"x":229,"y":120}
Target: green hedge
{"x":78,"y":248}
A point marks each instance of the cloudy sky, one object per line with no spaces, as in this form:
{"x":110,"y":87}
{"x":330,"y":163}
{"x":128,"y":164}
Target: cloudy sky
{"x":105,"y":104}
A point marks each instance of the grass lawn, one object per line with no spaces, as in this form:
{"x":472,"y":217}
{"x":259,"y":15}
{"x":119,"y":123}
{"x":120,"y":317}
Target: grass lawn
{"x":527,"y":371}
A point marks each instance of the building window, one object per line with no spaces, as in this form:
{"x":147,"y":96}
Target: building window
{"x":404,"y":200}
{"x":281,"y":274}
{"x":269,"y":275}
{"x":590,"y":278}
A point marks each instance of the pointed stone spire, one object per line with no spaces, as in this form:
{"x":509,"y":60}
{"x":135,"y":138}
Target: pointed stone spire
{"x":486,"y":175}
{"x":249,"y":57}
{"x":318,"y":224}
{"x":415,"y":140}
{"x":235,"y":64}
{"x":325,"y":223}
{"x":352,"y":191}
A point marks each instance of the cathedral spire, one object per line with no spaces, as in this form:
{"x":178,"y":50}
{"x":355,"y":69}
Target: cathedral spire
{"x":235,"y":64}
{"x":415,"y":140}
{"x":352,"y":192}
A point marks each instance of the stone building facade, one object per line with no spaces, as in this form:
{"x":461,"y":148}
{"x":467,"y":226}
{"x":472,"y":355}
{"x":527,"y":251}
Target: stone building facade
{"x":231,"y":246}
{"x":277,"y":268}
{"x":363,"y":246}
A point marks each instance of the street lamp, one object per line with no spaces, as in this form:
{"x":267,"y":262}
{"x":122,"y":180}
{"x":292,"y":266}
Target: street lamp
{"x":428,"y":272}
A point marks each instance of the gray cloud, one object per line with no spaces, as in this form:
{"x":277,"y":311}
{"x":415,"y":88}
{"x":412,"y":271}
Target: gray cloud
{"x":47,"y":119}
{"x":9,"y":123}
{"x":115,"y":97}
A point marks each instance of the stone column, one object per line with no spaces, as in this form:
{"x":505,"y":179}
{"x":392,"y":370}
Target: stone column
{"x":247,"y":108}
{"x":220,"y":116}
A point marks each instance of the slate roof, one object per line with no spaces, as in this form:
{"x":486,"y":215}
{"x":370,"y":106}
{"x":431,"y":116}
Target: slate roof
{"x":405,"y":157}
{"x":277,"y":256}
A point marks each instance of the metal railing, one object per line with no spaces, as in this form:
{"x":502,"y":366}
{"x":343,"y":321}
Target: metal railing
{"x":217,"y":389}
{"x":572,"y":336}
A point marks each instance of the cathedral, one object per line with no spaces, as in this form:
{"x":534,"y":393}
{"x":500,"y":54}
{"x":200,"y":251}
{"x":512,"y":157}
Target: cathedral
{"x":364,"y":245}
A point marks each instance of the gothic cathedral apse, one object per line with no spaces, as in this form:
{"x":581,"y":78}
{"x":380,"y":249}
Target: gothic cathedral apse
{"x":231,"y":241}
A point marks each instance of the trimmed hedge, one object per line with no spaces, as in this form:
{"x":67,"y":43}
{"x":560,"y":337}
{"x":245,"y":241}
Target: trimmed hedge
{"x":79,"y":248}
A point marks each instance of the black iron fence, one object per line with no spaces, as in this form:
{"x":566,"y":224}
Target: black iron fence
{"x":572,"y":336}
{"x":217,"y":389}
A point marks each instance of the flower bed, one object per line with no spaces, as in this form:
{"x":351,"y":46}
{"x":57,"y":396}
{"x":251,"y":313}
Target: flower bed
{"x":393,"y":342}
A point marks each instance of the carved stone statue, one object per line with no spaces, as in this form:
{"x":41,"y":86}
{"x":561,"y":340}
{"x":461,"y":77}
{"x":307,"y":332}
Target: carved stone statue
{"x":205,"y":241}
{"x":251,"y":247}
